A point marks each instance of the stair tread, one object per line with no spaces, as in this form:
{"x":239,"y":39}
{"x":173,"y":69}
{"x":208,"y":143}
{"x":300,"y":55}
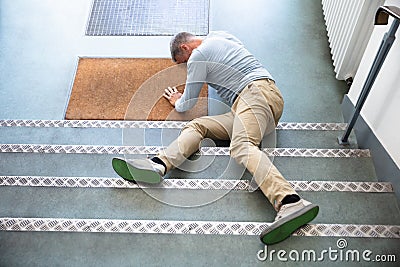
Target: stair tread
{"x":99,"y":165}
{"x":152,"y":136}
{"x":335,"y":207}
{"x":116,"y":249}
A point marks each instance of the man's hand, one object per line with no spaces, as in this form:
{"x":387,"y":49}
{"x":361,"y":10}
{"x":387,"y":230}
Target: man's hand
{"x":172,"y":94}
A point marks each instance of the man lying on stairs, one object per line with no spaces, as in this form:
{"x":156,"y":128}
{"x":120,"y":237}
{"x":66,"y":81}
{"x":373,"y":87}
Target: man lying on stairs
{"x":222,"y":61}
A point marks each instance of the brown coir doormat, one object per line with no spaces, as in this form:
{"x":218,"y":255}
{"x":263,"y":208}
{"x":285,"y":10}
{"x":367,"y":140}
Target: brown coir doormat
{"x":128,"y":89}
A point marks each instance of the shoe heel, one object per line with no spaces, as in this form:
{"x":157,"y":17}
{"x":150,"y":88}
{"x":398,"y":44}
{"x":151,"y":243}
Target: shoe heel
{"x":121,"y":168}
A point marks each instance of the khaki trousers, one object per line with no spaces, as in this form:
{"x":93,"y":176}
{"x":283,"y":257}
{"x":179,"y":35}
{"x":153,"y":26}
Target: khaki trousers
{"x":255,"y":112}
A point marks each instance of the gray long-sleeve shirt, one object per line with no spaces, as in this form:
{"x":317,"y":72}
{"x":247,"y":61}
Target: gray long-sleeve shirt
{"x":225,"y":64}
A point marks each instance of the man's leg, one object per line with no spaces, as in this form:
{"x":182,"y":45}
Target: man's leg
{"x":253,"y":118}
{"x":188,"y":142}
{"x":152,"y":170}
{"x":255,"y":115}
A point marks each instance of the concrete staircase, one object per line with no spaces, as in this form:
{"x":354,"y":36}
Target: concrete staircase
{"x":62,"y":204}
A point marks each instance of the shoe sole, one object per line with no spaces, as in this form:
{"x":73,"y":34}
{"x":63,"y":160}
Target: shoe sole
{"x":133,"y":174}
{"x":283,"y":228}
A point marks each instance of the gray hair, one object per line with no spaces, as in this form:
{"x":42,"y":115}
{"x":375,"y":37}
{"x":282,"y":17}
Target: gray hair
{"x":177,"y":40}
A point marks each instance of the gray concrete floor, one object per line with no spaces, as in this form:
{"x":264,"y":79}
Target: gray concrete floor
{"x":40,"y":42}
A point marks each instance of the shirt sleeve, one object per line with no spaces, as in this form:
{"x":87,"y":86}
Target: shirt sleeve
{"x":196,"y":77}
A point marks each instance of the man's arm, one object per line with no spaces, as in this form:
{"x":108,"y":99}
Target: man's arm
{"x":196,"y":77}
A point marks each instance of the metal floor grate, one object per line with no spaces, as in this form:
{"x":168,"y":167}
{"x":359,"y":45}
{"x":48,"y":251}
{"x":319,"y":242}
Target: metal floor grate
{"x":148,"y":17}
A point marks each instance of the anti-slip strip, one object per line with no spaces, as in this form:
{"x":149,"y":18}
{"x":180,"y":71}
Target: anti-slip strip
{"x":154,"y":124}
{"x":188,"y":227}
{"x":191,"y":184}
{"x":151,"y":150}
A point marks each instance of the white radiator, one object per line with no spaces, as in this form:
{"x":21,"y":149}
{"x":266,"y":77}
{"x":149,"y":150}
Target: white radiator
{"x":349,"y":25}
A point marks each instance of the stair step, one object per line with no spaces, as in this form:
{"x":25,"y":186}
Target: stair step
{"x":188,"y":227}
{"x":99,"y":165}
{"x":352,"y":169}
{"x":157,"y":136}
{"x":149,"y":204}
{"x":97,"y":249}
{"x":313,"y":139}
{"x":194,"y":184}
{"x":152,"y":136}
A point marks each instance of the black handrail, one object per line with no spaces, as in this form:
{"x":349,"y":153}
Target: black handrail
{"x":381,"y":18}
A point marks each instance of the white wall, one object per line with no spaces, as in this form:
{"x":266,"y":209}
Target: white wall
{"x":382,"y":108}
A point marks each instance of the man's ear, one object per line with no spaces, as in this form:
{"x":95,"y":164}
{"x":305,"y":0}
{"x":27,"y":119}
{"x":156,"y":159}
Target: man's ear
{"x":185,"y":47}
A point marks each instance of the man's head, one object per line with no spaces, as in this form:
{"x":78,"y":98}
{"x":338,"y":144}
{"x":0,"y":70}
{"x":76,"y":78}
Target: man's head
{"x":182,"y":45}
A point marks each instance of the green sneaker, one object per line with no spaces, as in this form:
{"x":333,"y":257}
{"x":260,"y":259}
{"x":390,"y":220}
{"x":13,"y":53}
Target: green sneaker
{"x":139,"y":170}
{"x":289,"y":218}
